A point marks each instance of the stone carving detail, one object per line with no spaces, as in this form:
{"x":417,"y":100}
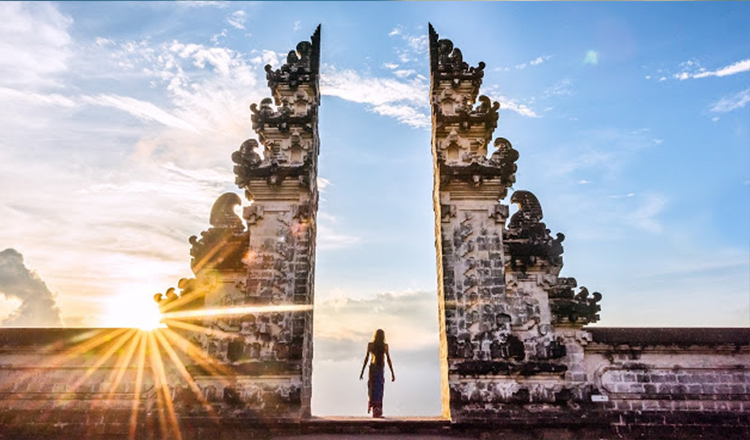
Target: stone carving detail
{"x":504,"y":158}
{"x":500,"y":295}
{"x":247,"y":160}
{"x":281,"y":118}
{"x":568,"y":307}
{"x":302,"y":65}
{"x":222,"y":246}
{"x":192,"y":296}
{"x":527,"y":239}
{"x":447,"y":62}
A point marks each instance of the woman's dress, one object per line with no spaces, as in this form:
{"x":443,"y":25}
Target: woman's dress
{"x":376,"y":384}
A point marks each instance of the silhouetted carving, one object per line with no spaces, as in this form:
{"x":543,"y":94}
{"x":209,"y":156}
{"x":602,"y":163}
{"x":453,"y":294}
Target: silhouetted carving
{"x":447,"y":62}
{"x":192,"y":296}
{"x":224,"y":245}
{"x":247,"y":160}
{"x":568,"y":307}
{"x":302,"y":65}
{"x":281,"y":118}
{"x":504,"y":158}
{"x":527,"y":239}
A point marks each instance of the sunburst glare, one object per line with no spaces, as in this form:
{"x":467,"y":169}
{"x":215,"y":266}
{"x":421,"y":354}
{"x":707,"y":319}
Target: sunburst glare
{"x":132,"y":311}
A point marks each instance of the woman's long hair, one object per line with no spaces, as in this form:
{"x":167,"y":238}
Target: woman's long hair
{"x":378,"y":345}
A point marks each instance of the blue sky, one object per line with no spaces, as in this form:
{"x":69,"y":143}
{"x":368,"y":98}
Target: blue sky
{"x":632,"y":121}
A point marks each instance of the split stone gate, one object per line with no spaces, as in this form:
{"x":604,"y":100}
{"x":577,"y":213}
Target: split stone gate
{"x":511,"y":330}
{"x":514,"y":350}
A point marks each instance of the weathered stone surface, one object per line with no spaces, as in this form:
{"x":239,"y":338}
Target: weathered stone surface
{"x":512,"y":338}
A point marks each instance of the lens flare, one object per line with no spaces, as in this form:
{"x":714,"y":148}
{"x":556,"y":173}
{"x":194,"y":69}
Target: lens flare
{"x":229,"y":311}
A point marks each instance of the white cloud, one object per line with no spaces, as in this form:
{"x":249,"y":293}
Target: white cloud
{"x":560,"y":88}
{"x":349,"y":85}
{"x":331,"y":238}
{"x":297,"y":26}
{"x":200,"y":4}
{"x":681,"y":76}
{"x":405,"y":114}
{"x":390,"y":66}
{"x":645,"y":215}
{"x":237,"y":19}
{"x":693,"y":69}
{"x":140,"y":109}
{"x":217,"y":37}
{"x":620,"y":196}
{"x":323,"y":184}
{"x":404,"y":100}
{"x":584,"y":182}
{"x":738,"y":67}
{"x":512,"y":105}
{"x":34,"y":44}
{"x":8,"y":94}
{"x":267,"y":57}
{"x":404,"y":73}
{"x":394,"y":32}
{"x":539,"y":60}
{"x":732,"y":102}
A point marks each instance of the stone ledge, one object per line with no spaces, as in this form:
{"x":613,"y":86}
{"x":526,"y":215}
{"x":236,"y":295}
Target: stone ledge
{"x":681,"y":336}
{"x":632,"y":425}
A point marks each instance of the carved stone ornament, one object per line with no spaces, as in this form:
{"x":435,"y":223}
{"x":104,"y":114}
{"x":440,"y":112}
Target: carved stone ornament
{"x":223,"y":246}
{"x":527,"y":239}
{"x":504,"y":158}
{"x":192,"y":296}
{"x":281,"y":118}
{"x":447,"y":63}
{"x":302,"y":65}
{"x":247,"y":160}
{"x":568,"y":307}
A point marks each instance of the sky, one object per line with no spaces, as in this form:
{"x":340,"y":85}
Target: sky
{"x":118,"y":121}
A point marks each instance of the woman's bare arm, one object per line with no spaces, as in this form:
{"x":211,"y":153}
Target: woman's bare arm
{"x":364,"y":364}
{"x":390,"y":365}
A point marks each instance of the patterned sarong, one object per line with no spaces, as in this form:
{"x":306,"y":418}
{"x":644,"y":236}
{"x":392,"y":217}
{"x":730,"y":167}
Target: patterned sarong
{"x":375,"y":386}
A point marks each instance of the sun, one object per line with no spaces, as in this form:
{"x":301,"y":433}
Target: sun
{"x":132,"y":310}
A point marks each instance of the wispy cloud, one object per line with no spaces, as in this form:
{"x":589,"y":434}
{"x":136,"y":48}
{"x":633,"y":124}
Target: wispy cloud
{"x":202,"y":4}
{"x":535,"y":62}
{"x":330,"y":235}
{"x":732,"y":102}
{"x":140,"y":109}
{"x":560,"y":88}
{"x":237,"y":19}
{"x":404,"y":100}
{"x":692,"y":69}
{"x":414,"y":46}
{"x":645,"y":216}
{"x":738,"y":67}
{"x":509,"y":104}
{"x":34,"y":44}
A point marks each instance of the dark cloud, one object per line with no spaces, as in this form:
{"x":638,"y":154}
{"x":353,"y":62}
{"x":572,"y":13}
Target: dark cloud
{"x":38,"y":306}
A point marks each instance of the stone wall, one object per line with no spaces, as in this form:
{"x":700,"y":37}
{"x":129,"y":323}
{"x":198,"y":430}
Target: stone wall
{"x":513,"y":342}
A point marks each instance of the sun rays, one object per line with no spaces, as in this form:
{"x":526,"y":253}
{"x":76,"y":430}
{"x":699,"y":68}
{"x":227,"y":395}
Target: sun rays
{"x":149,"y":375}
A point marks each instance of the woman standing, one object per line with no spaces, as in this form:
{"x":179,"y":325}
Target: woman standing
{"x":376,"y":382}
